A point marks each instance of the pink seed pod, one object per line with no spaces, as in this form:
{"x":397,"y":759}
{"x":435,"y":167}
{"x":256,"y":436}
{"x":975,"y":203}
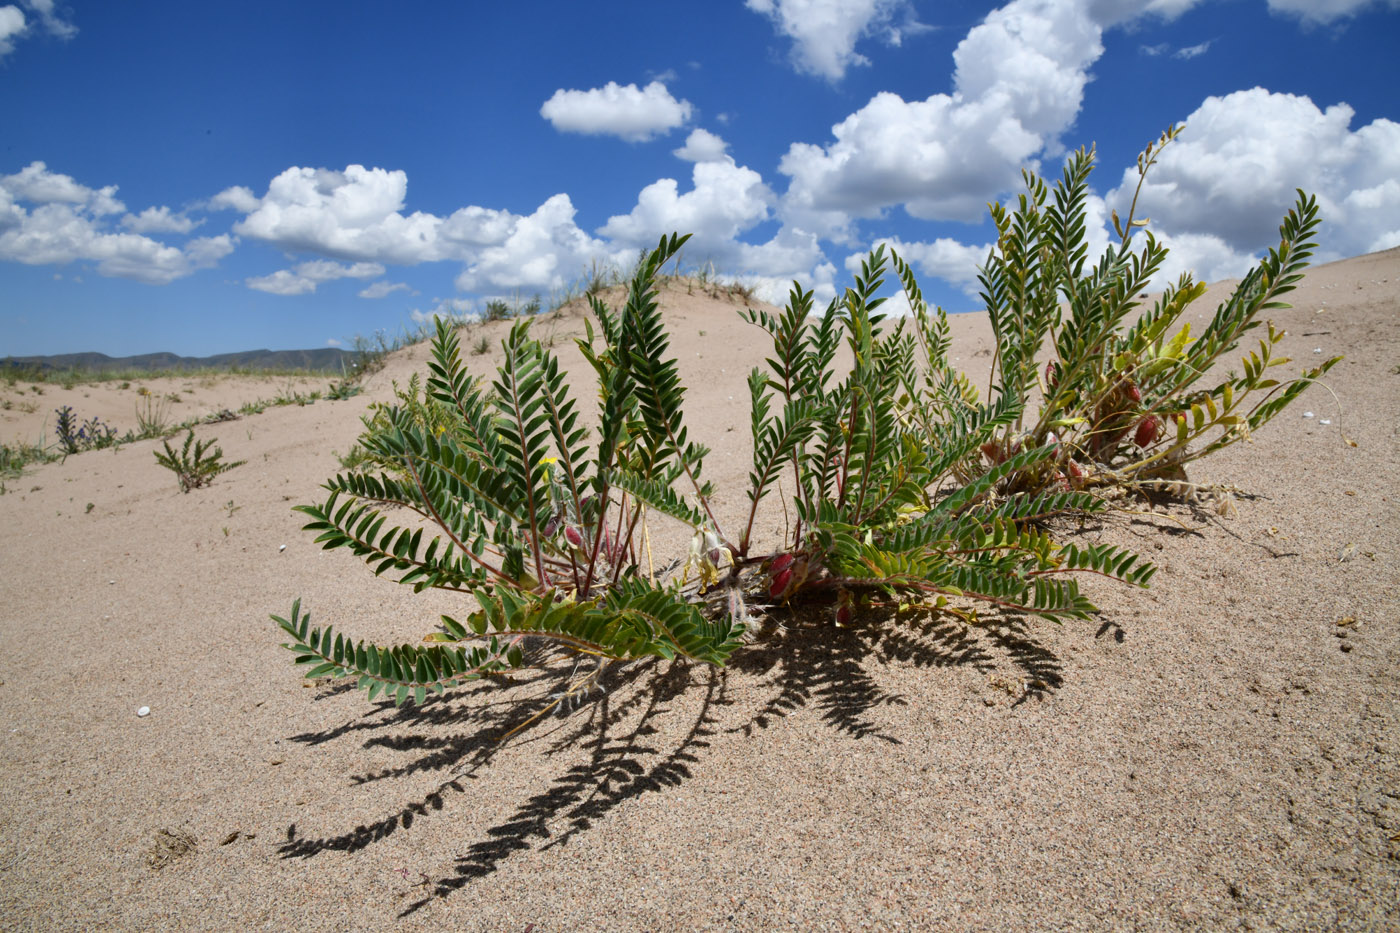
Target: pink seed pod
{"x":1133,"y":393}
{"x":1148,"y":430}
{"x":780,"y":563}
{"x":779,"y":584}
{"x":573,"y":536}
{"x":1050,"y":380}
{"x":1075,"y":471}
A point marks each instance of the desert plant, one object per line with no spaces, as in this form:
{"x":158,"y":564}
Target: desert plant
{"x":73,"y":437}
{"x":544,"y":528}
{"x":152,"y":416}
{"x":197,"y":467}
{"x":1120,"y":391}
{"x":496,"y":310}
{"x":344,"y":389}
{"x":15,"y":457}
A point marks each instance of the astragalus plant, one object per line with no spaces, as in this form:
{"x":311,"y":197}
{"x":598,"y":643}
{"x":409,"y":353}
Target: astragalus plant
{"x":1122,"y":390}
{"x":538,"y":522}
{"x":902,"y":485}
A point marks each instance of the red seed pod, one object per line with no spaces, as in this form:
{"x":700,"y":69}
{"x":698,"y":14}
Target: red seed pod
{"x":1133,"y":393}
{"x":1075,"y":471}
{"x":1148,"y":430}
{"x":573,"y":536}
{"x":992,"y":451}
{"x":779,"y":584}
{"x":780,"y":563}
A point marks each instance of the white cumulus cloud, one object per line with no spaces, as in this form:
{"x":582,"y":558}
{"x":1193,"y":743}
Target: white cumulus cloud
{"x":725,"y":199}
{"x":359,"y":215}
{"x":67,"y":221}
{"x":539,"y":252}
{"x":1018,"y":83}
{"x":237,"y":198}
{"x":444,"y":308}
{"x":304,"y":278}
{"x":14,"y":25}
{"x":702,"y":146}
{"x":383,"y":289}
{"x":355,"y":214}
{"x":1232,"y":174}
{"x":158,"y":220}
{"x":632,"y":113}
{"x":824,"y":33}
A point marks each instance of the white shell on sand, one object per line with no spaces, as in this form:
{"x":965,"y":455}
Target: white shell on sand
{"x":144,"y":711}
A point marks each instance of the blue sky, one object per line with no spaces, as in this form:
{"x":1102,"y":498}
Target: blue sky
{"x":211,"y":177}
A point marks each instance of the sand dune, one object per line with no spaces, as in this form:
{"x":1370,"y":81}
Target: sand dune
{"x":1214,"y":752}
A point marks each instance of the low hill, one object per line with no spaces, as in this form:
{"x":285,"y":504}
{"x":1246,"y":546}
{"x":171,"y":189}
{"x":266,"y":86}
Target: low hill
{"x":324,"y":359}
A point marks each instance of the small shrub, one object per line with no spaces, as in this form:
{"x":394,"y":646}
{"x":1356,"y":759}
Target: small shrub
{"x":339,"y":391}
{"x":355,"y":457}
{"x":15,"y":457}
{"x":73,"y":437}
{"x":496,"y":310}
{"x":152,"y":416}
{"x":197,"y":467}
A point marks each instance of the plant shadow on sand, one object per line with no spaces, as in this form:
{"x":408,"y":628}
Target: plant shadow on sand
{"x":805,"y":663}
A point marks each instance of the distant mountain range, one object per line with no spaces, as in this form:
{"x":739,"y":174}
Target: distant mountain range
{"x":325,"y":359}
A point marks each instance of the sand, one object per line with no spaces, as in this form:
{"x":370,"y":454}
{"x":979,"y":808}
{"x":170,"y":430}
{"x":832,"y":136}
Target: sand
{"x":1215,"y":752}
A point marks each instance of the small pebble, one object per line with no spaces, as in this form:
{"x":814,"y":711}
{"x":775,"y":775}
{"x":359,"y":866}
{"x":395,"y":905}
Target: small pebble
{"x":1324,"y":421}
{"x":281,"y":548}
{"x":144,"y":711}
{"x":1307,"y":414}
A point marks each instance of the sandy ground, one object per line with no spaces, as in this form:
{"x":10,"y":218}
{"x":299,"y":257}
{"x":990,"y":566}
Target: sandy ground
{"x":1215,"y":752}
{"x":28,"y":411}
